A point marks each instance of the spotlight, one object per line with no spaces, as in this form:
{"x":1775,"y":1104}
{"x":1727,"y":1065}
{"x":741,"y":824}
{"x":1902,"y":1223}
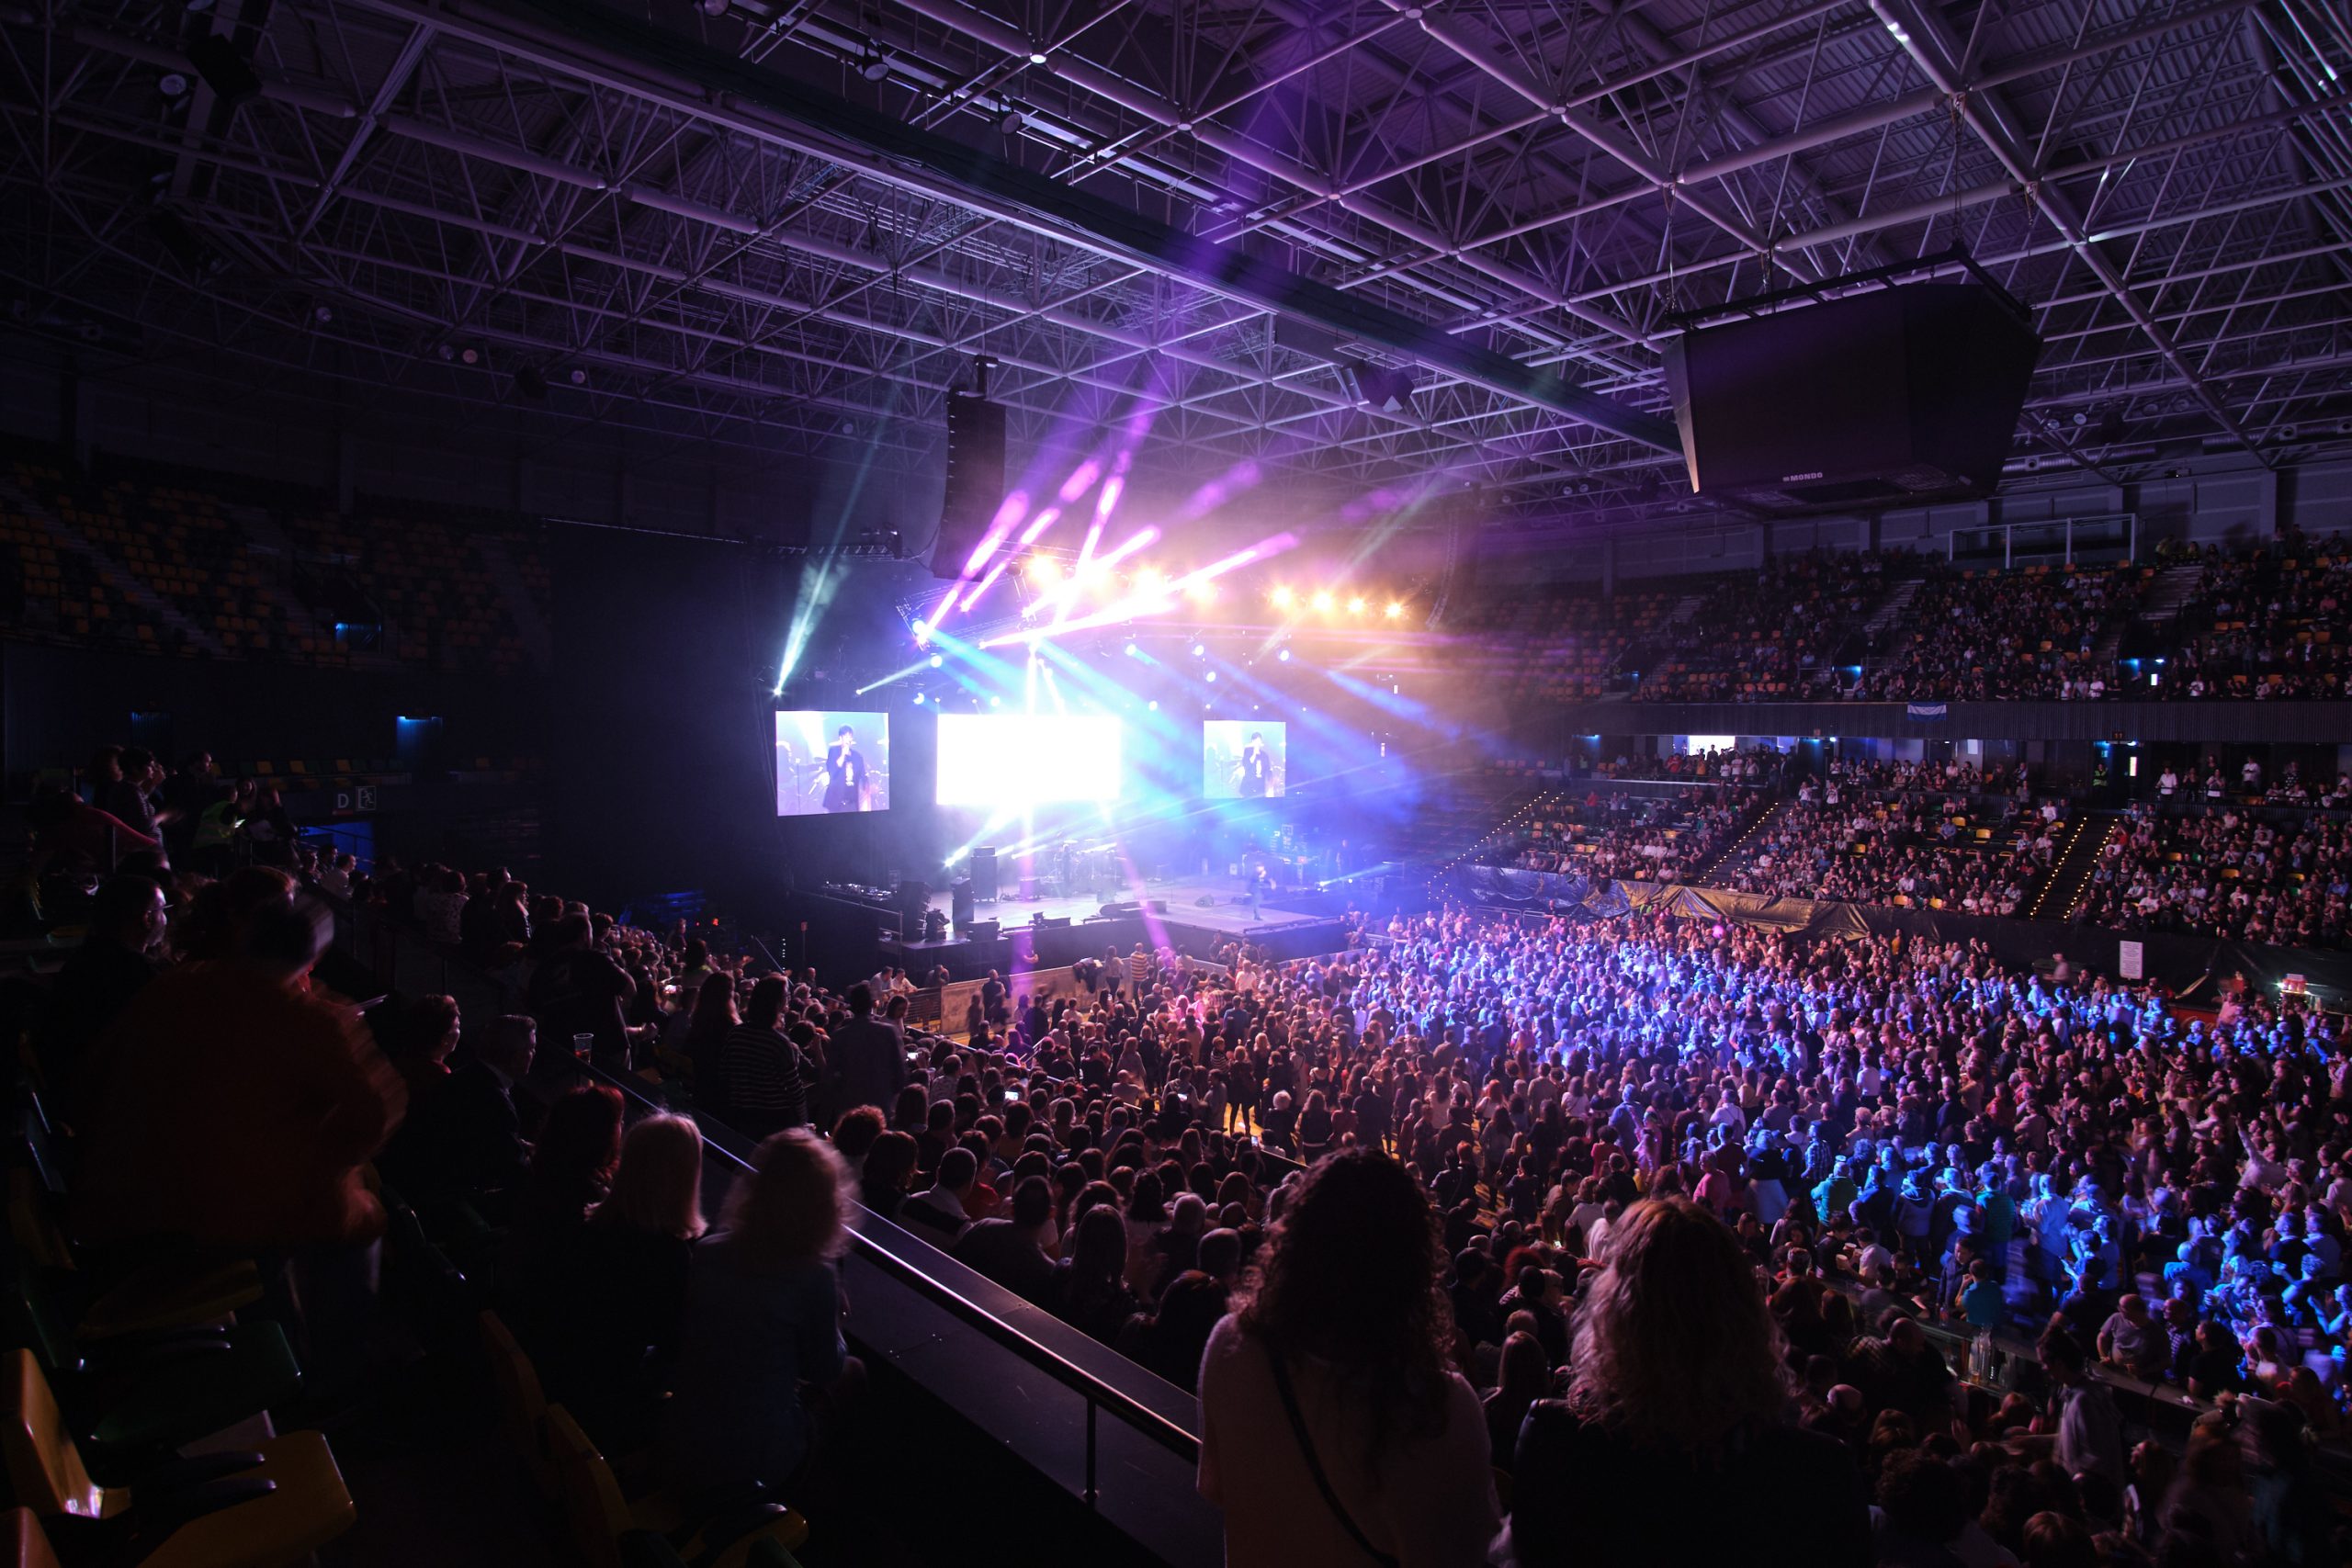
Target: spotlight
{"x":1395,"y":610}
{"x":1131,"y":650}
{"x":1323,"y":601}
{"x":921,"y":630}
{"x":1199,"y":651}
{"x":1037,"y":57}
{"x":876,"y":67}
{"x":1153,"y":705}
{"x":172,"y":86}
{"x":1150,"y":582}
{"x":1041,"y":570}
{"x":323,"y":315}
{"x":918,"y":699}
{"x":1282,"y":598}
{"x":578,"y":377}
{"x":1283,"y":656}
{"x":996,"y":702}
{"x":1212,"y":677}
{"x":469,"y":355}
{"x":1355,"y":605}
{"x":936,"y":661}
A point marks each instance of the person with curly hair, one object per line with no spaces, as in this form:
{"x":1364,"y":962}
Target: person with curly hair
{"x":1332,"y":1430}
{"x":1676,"y":1443}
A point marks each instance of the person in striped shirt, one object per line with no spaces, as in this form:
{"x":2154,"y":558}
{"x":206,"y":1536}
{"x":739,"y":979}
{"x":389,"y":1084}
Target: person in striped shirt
{"x":759,"y":1073}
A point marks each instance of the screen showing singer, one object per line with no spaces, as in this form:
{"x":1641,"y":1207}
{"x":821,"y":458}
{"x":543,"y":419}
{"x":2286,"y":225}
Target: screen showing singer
{"x":1243,"y":759}
{"x":832,"y":762}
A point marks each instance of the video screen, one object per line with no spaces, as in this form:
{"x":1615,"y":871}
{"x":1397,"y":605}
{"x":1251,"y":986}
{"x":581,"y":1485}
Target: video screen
{"x":1243,"y":759}
{"x":1026,"y":759}
{"x":827,"y":762}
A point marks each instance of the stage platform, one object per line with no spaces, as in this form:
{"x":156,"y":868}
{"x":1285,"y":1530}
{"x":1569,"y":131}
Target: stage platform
{"x":1193,"y":916}
{"x":1207,"y":905}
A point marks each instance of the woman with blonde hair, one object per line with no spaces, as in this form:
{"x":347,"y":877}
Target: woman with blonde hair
{"x":1674,"y":1443}
{"x":620,"y":1287}
{"x":762,"y":1322}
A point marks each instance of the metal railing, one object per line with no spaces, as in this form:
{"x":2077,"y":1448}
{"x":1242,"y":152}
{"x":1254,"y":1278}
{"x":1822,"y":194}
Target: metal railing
{"x":896,"y":1253}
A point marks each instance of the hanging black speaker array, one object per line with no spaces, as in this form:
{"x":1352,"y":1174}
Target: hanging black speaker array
{"x":974,"y":481}
{"x":1894,"y":397}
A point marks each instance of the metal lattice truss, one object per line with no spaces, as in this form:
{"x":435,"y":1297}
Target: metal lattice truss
{"x":794,"y":226}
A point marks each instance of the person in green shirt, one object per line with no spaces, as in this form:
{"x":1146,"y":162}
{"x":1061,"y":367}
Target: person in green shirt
{"x":212,"y":850}
{"x":1997,"y":1223}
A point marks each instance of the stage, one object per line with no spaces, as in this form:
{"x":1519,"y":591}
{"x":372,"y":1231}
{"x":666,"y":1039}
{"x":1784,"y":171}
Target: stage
{"x":1192,"y":916}
{"x":1210,"y":905}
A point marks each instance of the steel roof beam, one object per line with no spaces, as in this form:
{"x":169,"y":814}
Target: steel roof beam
{"x":1923,"y":35}
{"x":711,"y":83}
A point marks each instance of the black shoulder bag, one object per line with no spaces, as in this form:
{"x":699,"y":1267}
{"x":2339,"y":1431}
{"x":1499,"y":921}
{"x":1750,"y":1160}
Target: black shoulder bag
{"x":1275,"y":1360}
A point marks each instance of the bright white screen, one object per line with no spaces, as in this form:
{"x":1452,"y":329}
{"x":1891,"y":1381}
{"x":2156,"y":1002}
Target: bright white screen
{"x":1000,"y":759}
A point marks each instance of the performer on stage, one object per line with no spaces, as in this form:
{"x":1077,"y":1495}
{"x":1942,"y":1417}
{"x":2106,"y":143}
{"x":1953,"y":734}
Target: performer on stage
{"x":1257,"y":768}
{"x":845,"y":773}
{"x":1258,"y":885}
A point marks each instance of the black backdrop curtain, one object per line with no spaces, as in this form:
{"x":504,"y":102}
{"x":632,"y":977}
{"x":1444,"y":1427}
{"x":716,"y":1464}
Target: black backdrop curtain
{"x":657,"y":705}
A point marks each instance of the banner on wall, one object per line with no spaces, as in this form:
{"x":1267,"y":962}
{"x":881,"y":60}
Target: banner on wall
{"x":2130,"y":960}
{"x":1926,"y":710}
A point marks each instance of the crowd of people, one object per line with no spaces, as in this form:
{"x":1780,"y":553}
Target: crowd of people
{"x":1980,"y":636}
{"x":1772,"y":635}
{"x":1634,"y":1212}
{"x":1860,"y":1139}
{"x":1645,"y":838}
{"x":2269,"y":623}
{"x":2223,"y":870}
{"x":1900,"y":847}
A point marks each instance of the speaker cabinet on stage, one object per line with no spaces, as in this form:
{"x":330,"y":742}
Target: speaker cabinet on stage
{"x":1029,"y":893}
{"x":983,"y":865}
{"x":986,"y":930}
{"x":960,"y":898}
{"x":912,"y":902}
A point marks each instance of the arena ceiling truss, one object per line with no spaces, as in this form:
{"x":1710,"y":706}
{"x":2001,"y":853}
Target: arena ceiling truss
{"x":794,"y":224}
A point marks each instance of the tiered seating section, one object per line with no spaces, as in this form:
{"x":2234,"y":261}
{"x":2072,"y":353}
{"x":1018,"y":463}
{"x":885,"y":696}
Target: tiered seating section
{"x":1564,"y":646}
{"x":188,"y":578}
{"x":1648,"y":839}
{"x":2260,"y":874}
{"x":1896,"y":837}
{"x":2271,"y":623}
{"x":2028,"y":633}
{"x":1772,"y":638}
